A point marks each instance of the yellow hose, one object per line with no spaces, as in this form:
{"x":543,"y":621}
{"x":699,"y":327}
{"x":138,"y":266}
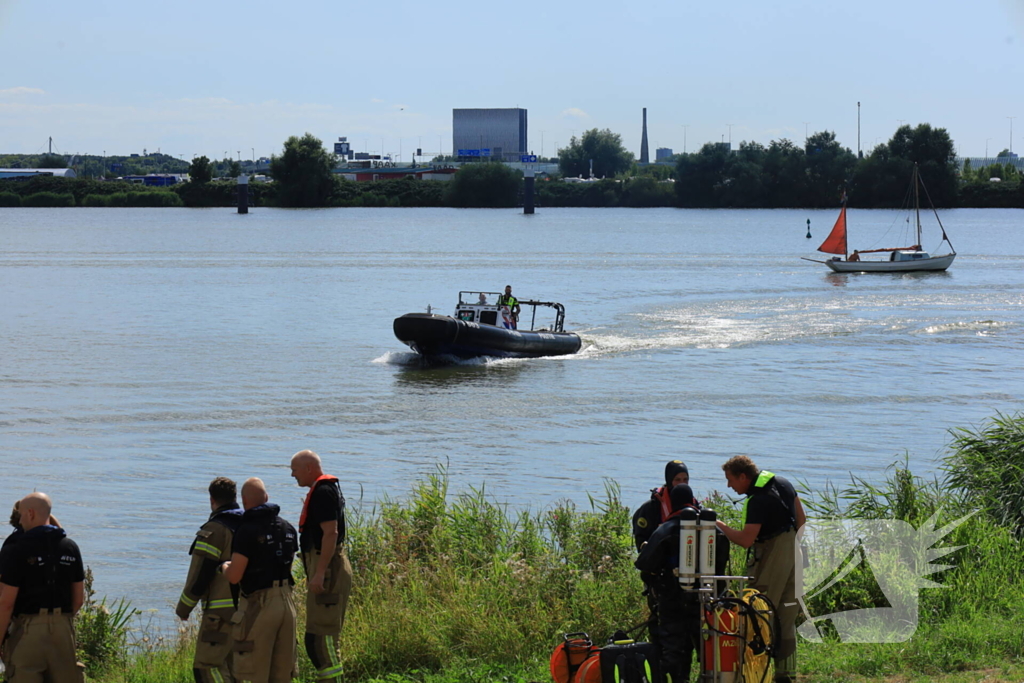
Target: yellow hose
{"x":757,"y":667}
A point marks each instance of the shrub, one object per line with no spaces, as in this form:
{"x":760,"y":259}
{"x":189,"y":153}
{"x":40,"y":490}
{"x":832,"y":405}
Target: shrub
{"x":484,"y":185}
{"x":153,"y":199}
{"x":437,"y":572}
{"x":48,"y":199}
{"x":9,"y":199}
{"x":95,"y":200}
{"x":986,"y":468}
{"x":102,"y":630}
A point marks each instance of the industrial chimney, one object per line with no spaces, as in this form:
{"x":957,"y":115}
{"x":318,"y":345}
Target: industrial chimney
{"x":645,"y":157}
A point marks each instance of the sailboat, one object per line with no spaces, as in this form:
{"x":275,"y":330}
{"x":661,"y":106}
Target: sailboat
{"x":900,"y":260}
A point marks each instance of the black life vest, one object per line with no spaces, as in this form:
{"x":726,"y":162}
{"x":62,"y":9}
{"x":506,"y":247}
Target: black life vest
{"x":228,"y":517}
{"x":275,"y":549}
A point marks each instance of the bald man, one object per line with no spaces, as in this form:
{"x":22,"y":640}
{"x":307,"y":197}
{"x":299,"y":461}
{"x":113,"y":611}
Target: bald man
{"x":41,"y":589}
{"x":262,"y":551}
{"x":328,"y":572}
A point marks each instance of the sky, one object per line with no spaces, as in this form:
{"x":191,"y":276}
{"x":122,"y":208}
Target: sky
{"x":232,"y":78}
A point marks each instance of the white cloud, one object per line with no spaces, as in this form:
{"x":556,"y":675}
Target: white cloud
{"x":376,"y":101}
{"x":20,"y":90}
{"x":573,"y":112}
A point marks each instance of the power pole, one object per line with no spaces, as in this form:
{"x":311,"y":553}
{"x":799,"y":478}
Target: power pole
{"x":860,"y":155}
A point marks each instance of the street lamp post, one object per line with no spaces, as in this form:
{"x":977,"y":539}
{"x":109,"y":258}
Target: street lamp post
{"x":1011,"y":132}
{"x":685,"y":126}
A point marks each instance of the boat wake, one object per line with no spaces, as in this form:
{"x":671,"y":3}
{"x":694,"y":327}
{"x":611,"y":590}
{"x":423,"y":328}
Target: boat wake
{"x":744,"y":326}
{"x":408,"y":359}
{"x":979,"y":328}
{"x":400,"y":358}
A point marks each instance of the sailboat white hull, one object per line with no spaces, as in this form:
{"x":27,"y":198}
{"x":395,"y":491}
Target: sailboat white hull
{"x":935,"y":263}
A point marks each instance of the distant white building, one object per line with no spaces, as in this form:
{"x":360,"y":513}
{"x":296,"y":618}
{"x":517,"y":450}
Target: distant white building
{"x":32,"y":172}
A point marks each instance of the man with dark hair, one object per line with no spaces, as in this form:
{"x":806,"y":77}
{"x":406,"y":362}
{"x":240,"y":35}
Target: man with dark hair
{"x":507,"y":299}
{"x":41,"y":590}
{"x":328,"y":572}
{"x":772,"y":515}
{"x":675,"y":618}
{"x":212,"y":547}
{"x":261,"y":565}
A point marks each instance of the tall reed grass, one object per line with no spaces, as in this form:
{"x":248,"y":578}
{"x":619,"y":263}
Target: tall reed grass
{"x":453,"y":587}
{"x":48,"y":199}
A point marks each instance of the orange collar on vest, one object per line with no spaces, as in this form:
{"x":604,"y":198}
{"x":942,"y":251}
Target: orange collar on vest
{"x":305,"y":505}
{"x":665,"y":498}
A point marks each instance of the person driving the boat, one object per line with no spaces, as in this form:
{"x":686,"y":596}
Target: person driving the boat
{"x":854,"y":256}
{"x":482,"y":298}
{"x":507,"y":299}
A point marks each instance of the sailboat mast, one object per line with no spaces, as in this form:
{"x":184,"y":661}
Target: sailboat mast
{"x":917,"y":206}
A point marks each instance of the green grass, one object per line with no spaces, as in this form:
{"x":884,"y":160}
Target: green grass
{"x":451,"y":587}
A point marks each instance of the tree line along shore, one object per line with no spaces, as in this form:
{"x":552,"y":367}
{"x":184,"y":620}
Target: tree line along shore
{"x":779,"y":175}
{"x":454,"y":587}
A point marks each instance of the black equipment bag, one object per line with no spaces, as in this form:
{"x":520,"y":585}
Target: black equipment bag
{"x":624,"y":661}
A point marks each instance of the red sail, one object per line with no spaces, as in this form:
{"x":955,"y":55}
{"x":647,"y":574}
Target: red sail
{"x":835,"y":243}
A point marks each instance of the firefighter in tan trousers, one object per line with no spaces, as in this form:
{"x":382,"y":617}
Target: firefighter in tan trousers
{"x":772,"y":516}
{"x":328,"y":572}
{"x":41,"y":589}
{"x":211,"y":548}
{"x":261,"y":564}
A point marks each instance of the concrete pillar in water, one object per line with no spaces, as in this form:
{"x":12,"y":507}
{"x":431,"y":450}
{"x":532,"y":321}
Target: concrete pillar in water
{"x":528,"y":181}
{"x":243,"y":193}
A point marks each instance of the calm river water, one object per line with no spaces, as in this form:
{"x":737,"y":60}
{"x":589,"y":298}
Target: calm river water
{"x":145,"y":351}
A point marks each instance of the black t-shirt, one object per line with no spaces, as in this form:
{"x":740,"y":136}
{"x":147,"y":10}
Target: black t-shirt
{"x":327,"y":504}
{"x":772,"y":508}
{"x":269,"y":543}
{"x":9,"y":544}
{"x":42,"y":563}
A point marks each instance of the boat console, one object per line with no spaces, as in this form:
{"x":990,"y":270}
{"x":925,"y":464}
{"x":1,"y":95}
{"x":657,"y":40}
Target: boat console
{"x":483,"y":308}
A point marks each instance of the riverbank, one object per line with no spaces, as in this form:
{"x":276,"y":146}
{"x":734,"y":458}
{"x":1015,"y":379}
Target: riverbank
{"x":634,"y":192}
{"x":452,"y":587}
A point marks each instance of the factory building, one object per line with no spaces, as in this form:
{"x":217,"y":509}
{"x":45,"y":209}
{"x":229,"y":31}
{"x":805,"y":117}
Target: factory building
{"x":33,"y":172}
{"x":495,"y":134}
